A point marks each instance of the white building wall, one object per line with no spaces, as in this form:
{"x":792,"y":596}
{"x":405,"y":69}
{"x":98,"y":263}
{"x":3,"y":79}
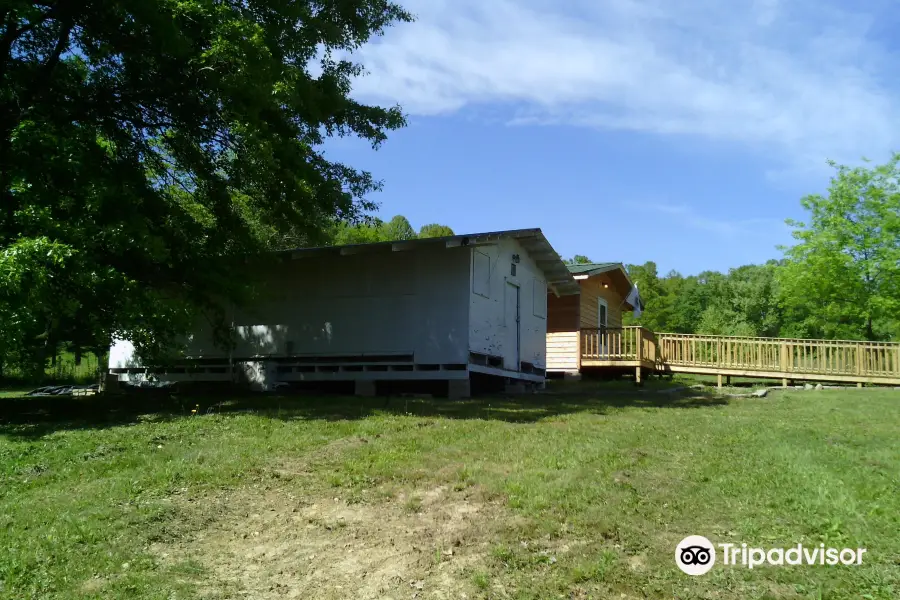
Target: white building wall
{"x":491,"y":324}
{"x":407,"y":302}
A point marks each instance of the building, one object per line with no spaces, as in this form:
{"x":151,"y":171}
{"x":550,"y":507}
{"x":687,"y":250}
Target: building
{"x":589,"y":324}
{"x":441,"y":309}
{"x":585,"y":333}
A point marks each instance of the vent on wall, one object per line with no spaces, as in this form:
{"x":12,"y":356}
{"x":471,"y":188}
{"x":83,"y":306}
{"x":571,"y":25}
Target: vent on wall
{"x":490,"y":360}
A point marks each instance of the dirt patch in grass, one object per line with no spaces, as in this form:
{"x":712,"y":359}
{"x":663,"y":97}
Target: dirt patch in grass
{"x":308,"y":464}
{"x":274,"y":544}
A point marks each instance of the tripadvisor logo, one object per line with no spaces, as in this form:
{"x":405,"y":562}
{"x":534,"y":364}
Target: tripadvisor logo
{"x":696,"y":555}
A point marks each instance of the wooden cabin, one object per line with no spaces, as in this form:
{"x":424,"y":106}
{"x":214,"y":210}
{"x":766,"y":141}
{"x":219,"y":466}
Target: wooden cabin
{"x":586,"y":330}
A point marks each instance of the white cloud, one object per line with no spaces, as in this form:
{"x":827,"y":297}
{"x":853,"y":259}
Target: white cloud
{"x":732,"y":229}
{"x":798,"y":80}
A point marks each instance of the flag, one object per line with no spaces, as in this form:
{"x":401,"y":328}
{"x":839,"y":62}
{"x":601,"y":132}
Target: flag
{"x":634,"y":299}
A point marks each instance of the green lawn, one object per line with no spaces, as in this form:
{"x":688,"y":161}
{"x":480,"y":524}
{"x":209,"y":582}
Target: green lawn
{"x":546,"y":496}
{"x":62,"y":371}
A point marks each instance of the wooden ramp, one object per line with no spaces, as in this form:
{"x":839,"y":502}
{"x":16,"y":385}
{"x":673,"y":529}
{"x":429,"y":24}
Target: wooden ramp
{"x":774,"y":358}
{"x":822,"y":360}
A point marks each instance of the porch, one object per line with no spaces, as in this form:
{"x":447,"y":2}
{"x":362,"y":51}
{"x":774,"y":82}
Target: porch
{"x":569,"y":352}
{"x":846,"y":361}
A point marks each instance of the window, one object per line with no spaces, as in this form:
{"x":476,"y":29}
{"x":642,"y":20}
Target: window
{"x":481,"y":274}
{"x":539,"y":298}
{"x":512,"y":269}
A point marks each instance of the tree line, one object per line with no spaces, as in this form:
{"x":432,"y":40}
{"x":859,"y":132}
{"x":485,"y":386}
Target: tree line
{"x":840,"y":280}
{"x":375,"y":230}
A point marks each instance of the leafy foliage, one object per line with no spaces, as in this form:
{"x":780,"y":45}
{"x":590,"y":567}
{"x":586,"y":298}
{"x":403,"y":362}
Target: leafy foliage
{"x":578,"y":259}
{"x":842,"y":278}
{"x":398,"y":228}
{"x":149,"y":149}
{"x":366,"y":232}
{"x":744,"y":302}
{"x":433,"y":230}
{"x":840,"y":281}
{"x":375,"y":230}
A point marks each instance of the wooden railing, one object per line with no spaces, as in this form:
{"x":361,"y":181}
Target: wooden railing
{"x":621,"y":344}
{"x":782,"y":356}
{"x":787,"y":358}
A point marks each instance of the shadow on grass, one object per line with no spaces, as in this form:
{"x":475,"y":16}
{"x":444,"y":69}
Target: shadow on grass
{"x":34,"y":417}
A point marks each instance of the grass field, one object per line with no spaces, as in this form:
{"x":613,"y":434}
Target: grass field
{"x":547,"y":496}
{"x":62,"y":371}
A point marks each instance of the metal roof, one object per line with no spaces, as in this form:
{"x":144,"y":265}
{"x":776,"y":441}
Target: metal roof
{"x":593,"y":268}
{"x":559,"y":278}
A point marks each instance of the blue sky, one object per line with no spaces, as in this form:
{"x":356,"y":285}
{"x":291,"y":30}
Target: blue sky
{"x":678,"y":131}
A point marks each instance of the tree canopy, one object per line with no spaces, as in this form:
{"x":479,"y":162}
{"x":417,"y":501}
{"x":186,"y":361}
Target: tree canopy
{"x":842,"y":278}
{"x":150,"y":148}
{"x":578,"y":259}
{"x":744,"y":302}
{"x":398,"y":228}
{"x":376,"y":230}
{"x":433,"y":230}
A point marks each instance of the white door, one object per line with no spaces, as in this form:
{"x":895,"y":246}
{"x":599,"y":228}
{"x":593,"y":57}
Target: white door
{"x":602,"y":324}
{"x":513,"y":320}
{"x":602,"y":313}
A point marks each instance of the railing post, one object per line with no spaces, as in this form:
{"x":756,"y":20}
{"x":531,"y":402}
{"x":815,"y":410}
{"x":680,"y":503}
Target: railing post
{"x":639,"y":334}
{"x":859,"y":358}
{"x":782,"y":360}
{"x":896,"y":353}
{"x":578,"y":349}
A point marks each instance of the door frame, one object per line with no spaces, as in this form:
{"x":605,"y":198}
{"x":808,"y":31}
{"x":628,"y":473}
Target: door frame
{"x":604,"y":324}
{"x":517,"y":321}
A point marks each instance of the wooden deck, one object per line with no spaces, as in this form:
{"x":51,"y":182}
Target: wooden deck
{"x":776,"y":358}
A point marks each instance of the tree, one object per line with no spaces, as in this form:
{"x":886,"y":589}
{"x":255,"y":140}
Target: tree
{"x":373,"y":229}
{"x":433,"y":230}
{"x":744,"y":302}
{"x":842,"y":278}
{"x":149,"y":150}
{"x":647,"y":279}
{"x":578,"y":259}
{"x":690,"y":297}
{"x":366,"y":232}
{"x":398,"y":228}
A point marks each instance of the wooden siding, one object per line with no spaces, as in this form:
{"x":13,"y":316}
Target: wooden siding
{"x":568,"y":315}
{"x":591,"y":289}
{"x":562,"y":313}
{"x":562,"y":351}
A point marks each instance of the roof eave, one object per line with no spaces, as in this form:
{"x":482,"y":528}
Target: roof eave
{"x":533,"y":240}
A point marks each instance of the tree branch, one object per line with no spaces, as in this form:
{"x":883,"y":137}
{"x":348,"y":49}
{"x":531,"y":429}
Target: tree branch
{"x":42,"y":80}
{"x":11,"y":34}
{"x":62,"y":44}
